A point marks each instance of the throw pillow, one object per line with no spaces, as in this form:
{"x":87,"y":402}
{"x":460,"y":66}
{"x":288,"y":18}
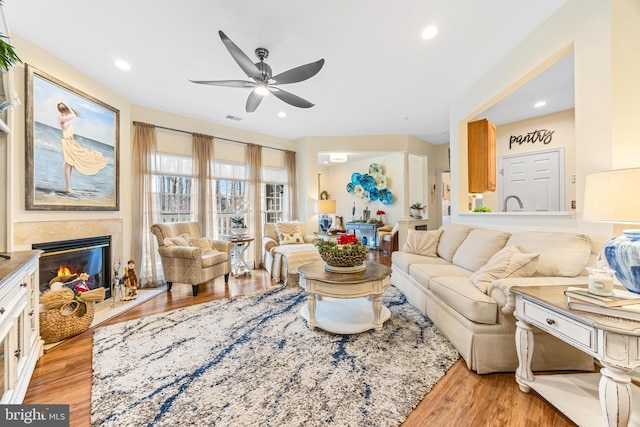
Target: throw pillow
{"x":288,"y":228}
{"x":203,"y":244}
{"x":176,"y":241}
{"x":508,"y":262}
{"x":290,"y":238}
{"x":422,"y":242}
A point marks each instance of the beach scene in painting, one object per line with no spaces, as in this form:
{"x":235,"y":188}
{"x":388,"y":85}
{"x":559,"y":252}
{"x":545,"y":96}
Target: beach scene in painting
{"x":74,"y":149}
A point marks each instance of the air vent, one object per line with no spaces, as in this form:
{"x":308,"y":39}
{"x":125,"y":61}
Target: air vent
{"x":230,"y":117}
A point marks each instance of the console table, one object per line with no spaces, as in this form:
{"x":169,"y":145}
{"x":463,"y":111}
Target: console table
{"x":365,"y":228}
{"x":613,"y":341}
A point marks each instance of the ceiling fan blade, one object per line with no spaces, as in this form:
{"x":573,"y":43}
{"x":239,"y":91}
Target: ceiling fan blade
{"x":300,"y":73}
{"x":290,"y":98}
{"x":227,"y":83}
{"x":241,"y":58}
{"x":253,"y":101}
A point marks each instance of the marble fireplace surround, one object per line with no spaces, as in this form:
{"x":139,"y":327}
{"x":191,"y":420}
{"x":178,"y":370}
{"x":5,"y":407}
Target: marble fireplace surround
{"x":27,"y":233}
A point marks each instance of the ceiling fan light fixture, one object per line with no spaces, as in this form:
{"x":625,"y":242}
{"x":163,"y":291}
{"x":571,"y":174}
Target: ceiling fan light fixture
{"x":338,"y":157}
{"x":261,"y":90}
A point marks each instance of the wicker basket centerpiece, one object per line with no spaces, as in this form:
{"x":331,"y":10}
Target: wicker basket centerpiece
{"x":345,"y":256}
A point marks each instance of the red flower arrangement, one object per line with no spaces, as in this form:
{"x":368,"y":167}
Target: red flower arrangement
{"x":347,"y":239}
{"x":380,"y":212}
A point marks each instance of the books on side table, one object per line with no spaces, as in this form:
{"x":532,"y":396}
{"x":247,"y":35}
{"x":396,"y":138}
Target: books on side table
{"x":622,"y":303}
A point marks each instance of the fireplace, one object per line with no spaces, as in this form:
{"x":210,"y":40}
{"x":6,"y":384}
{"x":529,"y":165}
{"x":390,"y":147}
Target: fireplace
{"x":89,"y":255}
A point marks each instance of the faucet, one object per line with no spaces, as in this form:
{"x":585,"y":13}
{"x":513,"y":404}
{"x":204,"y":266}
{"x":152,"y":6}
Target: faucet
{"x":506,"y":199}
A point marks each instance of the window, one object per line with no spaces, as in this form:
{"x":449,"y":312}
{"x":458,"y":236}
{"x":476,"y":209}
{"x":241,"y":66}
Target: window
{"x":174,"y":187}
{"x":274,"y":200}
{"x":274,"y":194}
{"x":231,"y":194}
{"x":231,"y":201}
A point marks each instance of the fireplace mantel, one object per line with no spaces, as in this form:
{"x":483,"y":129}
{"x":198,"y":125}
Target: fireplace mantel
{"x":27,"y":233}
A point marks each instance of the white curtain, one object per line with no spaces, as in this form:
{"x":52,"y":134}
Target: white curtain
{"x":203,"y":161}
{"x":143,"y":245}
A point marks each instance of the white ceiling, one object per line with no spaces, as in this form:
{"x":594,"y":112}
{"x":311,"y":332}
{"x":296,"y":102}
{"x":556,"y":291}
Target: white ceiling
{"x":379,"y":78}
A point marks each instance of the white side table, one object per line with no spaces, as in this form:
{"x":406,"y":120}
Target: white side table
{"x":239,"y":265}
{"x":613,"y":341}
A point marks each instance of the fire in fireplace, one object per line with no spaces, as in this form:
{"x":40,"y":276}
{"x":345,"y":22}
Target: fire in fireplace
{"x":89,"y":255}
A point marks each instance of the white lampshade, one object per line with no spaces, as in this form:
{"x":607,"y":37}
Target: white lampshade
{"x":326,"y":206}
{"x":613,"y":196}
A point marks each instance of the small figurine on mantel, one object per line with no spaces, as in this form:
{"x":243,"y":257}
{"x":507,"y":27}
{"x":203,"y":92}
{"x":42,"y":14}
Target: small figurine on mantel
{"x":130,"y":281}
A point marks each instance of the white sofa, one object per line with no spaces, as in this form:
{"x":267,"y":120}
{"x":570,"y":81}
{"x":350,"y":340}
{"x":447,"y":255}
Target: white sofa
{"x":475,"y":311}
{"x":286,"y":246}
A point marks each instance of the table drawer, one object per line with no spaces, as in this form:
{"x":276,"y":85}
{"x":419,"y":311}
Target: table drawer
{"x":565,"y":328}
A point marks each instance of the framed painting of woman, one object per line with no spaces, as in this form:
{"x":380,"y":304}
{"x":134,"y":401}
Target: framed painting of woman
{"x":72,"y":147}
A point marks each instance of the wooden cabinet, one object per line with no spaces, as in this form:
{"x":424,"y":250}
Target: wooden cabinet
{"x":20,"y":343}
{"x":482,"y":156}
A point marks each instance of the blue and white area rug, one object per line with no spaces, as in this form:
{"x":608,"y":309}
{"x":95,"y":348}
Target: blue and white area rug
{"x":253,"y":361}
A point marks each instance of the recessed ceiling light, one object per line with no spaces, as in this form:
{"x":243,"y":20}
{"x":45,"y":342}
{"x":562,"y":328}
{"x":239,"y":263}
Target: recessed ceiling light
{"x":123,"y":65}
{"x":282,"y":114}
{"x":540,"y":104}
{"x":430,"y":32}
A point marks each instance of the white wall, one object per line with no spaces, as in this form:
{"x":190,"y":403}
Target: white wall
{"x":606,"y":133}
{"x":337,"y":177}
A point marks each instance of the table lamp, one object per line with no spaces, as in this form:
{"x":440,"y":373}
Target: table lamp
{"x":614,"y":197}
{"x":325,"y":207}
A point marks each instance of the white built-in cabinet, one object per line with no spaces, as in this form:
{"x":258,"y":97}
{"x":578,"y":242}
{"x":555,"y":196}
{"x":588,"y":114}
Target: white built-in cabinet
{"x":20,"y":343}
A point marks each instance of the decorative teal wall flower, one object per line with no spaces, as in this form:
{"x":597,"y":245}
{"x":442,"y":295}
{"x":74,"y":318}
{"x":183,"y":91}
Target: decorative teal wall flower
{"x":370,"y":186}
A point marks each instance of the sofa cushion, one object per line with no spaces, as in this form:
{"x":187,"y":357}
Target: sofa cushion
{"x":403,"y":260}
{"x":176,"y":241}
{"x":460,"y":294}
{"x":509,"y":262}
{"x":478,"y":247}
{"x":214,"y":258}
{"x":423,"y":273}
{"x":202,"y":243}
{"x":422,"y":242}
{"x":561,"y":254}
{"x":450,"y":239}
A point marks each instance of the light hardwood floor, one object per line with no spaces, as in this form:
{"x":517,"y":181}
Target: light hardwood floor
{"x":460,"y":398}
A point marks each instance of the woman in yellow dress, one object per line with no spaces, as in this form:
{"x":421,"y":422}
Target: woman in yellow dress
{"x":86,"y":162}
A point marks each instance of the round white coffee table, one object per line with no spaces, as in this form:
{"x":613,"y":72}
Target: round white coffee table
{"x":345,"y":303}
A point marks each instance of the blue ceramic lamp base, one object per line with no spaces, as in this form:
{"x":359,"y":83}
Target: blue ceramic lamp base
{"x":324,"y":222}
{"x":623,"y":255}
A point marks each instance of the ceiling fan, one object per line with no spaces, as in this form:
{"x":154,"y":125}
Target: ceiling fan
{"x":263,"y":82}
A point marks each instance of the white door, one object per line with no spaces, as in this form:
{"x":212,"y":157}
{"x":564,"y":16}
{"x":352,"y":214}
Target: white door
{"x":537,"y":179}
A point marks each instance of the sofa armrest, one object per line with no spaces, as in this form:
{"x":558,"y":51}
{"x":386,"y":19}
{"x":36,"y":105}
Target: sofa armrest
{"x":221,"y":245}
{"x":310,"y":238}
{"x":268,"y":243}
{"x":500,"y":290}
{"x":184,"y":252}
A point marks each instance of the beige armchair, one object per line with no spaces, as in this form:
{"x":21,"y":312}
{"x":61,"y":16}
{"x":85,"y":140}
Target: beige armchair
{"x":388,"y":238}
{"x":286,"y":247}
{"x":187,"y":257}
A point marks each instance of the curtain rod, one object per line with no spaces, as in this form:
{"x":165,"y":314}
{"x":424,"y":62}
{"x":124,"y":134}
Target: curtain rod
{"x":215,"y":137}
